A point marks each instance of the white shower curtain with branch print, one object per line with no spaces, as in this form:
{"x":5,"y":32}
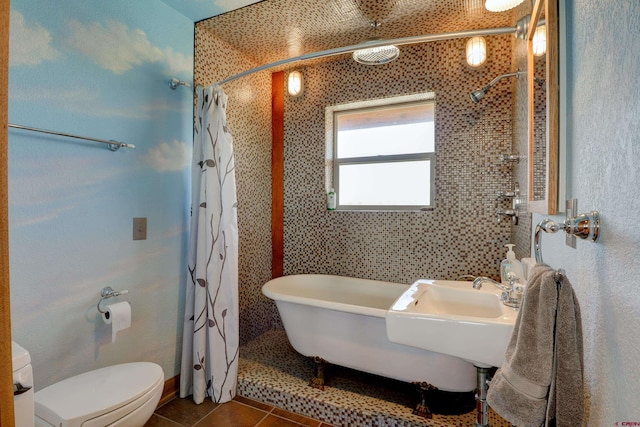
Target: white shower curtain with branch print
{"x":211,"y":333}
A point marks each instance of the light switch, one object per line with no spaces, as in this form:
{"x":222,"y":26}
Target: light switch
{"x":139,"y":228}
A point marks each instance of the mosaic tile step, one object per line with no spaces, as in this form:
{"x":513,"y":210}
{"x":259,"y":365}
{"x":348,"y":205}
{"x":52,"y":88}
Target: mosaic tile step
{"x":271,"y":371}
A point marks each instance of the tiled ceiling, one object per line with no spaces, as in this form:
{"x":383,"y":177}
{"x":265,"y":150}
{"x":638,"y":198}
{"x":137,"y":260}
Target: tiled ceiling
{"x":197,"y":10}
{"x":273,"y":30}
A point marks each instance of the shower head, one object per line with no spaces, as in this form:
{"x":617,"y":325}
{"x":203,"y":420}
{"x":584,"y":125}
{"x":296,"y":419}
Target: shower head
{"x":477,"y":95}
{"x":375,"y":55}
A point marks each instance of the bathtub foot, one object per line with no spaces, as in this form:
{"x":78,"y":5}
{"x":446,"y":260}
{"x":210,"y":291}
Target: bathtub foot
{"x":422,"y":410}
{"x":317,"y":381}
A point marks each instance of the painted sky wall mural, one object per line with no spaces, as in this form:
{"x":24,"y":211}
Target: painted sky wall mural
{"x":98,"y":69}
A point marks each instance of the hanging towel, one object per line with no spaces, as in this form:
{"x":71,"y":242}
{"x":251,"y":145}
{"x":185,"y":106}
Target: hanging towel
{"x":540,"y":381}
{"x":566,"y":396}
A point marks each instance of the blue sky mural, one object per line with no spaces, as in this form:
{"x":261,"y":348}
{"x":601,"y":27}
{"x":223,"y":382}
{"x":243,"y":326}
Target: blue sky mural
{"x":98,"y":69}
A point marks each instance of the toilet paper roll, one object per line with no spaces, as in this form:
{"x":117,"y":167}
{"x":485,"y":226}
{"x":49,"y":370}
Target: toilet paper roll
{"x":117,"y":315}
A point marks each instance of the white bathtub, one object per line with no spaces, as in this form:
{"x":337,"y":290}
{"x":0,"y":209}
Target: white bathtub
{"x":342,"y":320}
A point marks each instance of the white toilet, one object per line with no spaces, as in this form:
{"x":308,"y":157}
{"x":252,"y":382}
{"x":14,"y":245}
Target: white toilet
{"x":121,"y":395}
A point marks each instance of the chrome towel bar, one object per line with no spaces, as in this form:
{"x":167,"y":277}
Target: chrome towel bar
{"x":113,"y":145}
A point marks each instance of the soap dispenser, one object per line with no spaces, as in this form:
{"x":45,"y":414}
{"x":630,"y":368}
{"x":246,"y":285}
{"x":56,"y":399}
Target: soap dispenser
{"x":331,"y":200}
{"x":511,"y":266}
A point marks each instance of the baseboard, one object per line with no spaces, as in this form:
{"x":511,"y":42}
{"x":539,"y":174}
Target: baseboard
{"x":170,"y":390}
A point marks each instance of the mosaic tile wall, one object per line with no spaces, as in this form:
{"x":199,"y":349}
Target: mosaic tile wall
{"x":539,"y":132}
{"x":521,"y":233}
{"x":249,"y":117}
{"x":462,"y":234}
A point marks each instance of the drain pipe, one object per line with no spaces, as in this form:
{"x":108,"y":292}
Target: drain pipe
{"x":482,"y":408}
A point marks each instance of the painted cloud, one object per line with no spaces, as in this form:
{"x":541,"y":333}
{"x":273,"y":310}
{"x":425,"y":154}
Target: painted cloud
{"x":113,"y":46}
{"x":30,"y":43}
{"x":168,"y":156}
{"x":116,"y":47}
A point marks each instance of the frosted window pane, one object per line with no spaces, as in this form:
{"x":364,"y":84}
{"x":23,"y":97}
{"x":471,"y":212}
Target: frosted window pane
{"x":393,"y":184}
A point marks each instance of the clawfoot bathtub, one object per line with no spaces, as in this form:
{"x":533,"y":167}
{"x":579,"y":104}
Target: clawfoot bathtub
{"x":342,"y":320}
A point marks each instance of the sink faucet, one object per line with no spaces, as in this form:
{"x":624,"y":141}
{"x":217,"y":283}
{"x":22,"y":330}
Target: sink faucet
{"x":511,"y":292}
{"x":477,"y":283}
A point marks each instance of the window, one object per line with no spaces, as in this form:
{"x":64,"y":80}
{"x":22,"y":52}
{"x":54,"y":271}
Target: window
{"x":383,"y":153}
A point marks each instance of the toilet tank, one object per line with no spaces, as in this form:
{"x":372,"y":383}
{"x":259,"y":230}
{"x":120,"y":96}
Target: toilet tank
{"x":22,"y":386}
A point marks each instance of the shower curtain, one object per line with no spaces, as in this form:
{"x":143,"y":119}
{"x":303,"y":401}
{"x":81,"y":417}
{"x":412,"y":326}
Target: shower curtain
{"x":211,"y":333}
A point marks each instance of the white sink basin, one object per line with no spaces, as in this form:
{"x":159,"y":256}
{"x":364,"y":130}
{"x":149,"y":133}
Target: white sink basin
{"x":451,"y":317}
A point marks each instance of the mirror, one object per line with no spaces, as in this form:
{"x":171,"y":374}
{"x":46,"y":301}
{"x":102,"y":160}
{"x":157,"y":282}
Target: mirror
{"x":543,"y":106}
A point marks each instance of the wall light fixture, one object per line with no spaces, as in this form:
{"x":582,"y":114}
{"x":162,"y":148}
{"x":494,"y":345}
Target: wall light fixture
{"x":540,"y":41}
{"x":295,"y":84}
{"x":501,"y":5}
{"x":476,"y":51}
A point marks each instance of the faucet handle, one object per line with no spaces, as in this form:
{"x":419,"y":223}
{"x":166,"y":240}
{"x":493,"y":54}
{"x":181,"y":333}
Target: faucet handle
{"x":512,"y":279}
{"x":504,"y":297}
{"x":506,"y":194}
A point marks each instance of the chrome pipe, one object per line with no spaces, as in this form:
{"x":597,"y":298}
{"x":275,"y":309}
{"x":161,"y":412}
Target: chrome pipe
{"x":482,"y":407}
{"x":477,"y":95}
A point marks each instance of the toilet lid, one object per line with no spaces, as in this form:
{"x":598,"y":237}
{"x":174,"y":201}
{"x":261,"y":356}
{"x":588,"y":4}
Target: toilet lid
{"x":72,"y":401}
{"x":20,"y":356}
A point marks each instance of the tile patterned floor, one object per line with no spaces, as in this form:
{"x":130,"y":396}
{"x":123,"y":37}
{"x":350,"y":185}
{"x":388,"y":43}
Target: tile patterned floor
{"x":273,"y":378}
{"x":240,"y":412}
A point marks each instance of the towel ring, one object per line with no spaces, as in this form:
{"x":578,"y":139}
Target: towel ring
{"x":108,"y":292}
{"x":584,"y":226}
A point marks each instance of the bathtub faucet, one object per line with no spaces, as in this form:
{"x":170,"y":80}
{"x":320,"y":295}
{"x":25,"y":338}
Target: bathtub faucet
{"x":511,"y":292}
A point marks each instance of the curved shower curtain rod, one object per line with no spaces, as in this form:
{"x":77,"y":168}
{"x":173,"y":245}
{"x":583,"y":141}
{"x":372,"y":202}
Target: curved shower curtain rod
{"x":174,"y":83}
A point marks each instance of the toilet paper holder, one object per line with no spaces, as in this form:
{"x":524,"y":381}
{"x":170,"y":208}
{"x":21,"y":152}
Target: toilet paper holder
{"x":108,"y":292}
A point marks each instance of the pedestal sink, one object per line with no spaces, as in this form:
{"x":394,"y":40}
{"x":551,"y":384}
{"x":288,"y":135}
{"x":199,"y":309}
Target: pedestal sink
{"x":451,"y":317}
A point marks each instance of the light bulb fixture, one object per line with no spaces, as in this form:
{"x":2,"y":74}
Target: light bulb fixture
{"x":376,"y":55}
{"x":539,"y":42}
{"x":476,"y":51}
{"x":501,"y":5}
{"x":295,"y":84}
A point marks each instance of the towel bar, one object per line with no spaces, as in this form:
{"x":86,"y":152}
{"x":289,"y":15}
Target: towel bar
{"x":584,"y":226}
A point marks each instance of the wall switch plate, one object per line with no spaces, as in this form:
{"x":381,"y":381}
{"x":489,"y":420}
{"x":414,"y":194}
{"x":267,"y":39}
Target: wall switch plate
{"x":139,"y":228}
{"x":571,"y":211}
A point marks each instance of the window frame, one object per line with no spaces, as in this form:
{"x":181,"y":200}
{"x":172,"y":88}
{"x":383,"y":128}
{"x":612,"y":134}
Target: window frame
{"x":333,"y":175}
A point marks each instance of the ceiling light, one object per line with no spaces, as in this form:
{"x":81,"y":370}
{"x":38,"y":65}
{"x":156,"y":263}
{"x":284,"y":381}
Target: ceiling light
{"x":294,"y":83}
{"x":540,"y":41}
{"x":375,"y":55}
{"x":501,"y":5}
{"x":476,"y":51}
